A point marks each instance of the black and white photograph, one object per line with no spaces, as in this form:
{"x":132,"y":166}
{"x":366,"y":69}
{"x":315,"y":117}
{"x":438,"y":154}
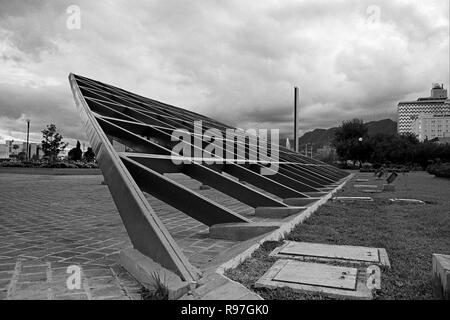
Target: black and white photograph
{"x":228,"y":156}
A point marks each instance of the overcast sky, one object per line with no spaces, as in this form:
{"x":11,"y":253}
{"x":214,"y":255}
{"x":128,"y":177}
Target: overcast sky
{"x":236,"y":61}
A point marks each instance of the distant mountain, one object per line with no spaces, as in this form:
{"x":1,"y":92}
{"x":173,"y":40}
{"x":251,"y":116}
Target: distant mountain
{"x":321,"y":137}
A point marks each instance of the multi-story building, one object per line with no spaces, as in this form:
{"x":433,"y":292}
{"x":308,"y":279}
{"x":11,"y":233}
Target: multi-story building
{"x":437,"y":103}
{"x":4,"y":151}
{"x":13,"y":148}
{"x":431,"y":126}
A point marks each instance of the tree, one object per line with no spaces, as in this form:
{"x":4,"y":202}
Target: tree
{"x":16,"y":147}
{"x":89,"y":155}
{"x":52,"y":144}
{"x":396,"y":149}
{"x":22,"y":156}
{"x":351,"y":141}
{"x":75,"y":154}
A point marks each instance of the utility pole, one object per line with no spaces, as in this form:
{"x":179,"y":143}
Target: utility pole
{"x":28,"y":139}
{"x":296,"y":149}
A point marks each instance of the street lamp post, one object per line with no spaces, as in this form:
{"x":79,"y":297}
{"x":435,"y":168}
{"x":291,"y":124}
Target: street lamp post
{"x":360,"y":150}
{"x":28,"y":139}
{"x":296,"y":149}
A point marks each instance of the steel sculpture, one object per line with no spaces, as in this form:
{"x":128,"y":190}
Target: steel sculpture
{"x":145,"y":126}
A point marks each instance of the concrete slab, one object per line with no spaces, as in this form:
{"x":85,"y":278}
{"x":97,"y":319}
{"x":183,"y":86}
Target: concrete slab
{"x":145,"y":270}
{"x":305,"y":251}
{"x":241,"y":231}
{"x":392,"y":177}
{"x":365,"y":186}
{"x":300,"y":202}
{"x":315,"y":194}
{"x":388,"y":187}
{"x":441,"y":276}
{"x":277,"y":212}
{"x":353,"y":199}
{"x":406,"y":201}
{"x":341,"y":282}
{"x":318,"y":275}
{"x":372,"y":191}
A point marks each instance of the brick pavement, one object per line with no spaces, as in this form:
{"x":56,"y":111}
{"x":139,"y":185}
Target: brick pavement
{"x":50,"y":222}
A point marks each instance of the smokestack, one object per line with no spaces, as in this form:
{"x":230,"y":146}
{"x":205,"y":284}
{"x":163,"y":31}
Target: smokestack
{"x":296,"y":119}
{"x":28,"y":139}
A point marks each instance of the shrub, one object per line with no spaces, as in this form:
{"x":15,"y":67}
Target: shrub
{"x":16,"y":164}
{"x":441,"y":170}
{"x":89,"y":155}
{"x":48,"y":164}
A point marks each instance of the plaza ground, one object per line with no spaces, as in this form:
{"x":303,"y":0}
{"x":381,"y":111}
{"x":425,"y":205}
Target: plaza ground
{"x":51,"y":221}
{"x":48,"y":222}
{"x":410,"y":234}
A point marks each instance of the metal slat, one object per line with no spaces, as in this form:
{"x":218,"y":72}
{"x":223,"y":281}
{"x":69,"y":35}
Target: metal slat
{"x":145,"y":229}
{"x":176,"y":195}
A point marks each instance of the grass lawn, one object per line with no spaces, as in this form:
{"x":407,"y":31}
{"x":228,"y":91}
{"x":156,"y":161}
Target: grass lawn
{"x":409,"y":233}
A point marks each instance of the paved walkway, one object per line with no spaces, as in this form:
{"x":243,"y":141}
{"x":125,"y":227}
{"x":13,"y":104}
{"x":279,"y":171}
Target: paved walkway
{"x":50,"y":222}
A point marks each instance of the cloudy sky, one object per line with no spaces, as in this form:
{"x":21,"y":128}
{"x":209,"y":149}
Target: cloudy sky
{"x":234,"y":60}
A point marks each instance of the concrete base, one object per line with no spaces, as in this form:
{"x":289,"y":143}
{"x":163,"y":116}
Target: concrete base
{"x":241,"y":231}
{"x":218,"y":287}
{"x":353,"y":199}
{"x":315,"y":194}
{"x":300,"y":202}
{"x":441,"y":276}
{"x":371,"y":191}
{"x":329,"y":189}
{"x":388,"y":187}
{"x":145,"y":269}
{"x":277,"y":212}
{"x":365,"y":186}
{"x":406,"y":201}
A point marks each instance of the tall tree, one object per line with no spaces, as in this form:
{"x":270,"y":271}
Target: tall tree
{"x":76,"y":153}
{"x":351,"y":141}
{"x":89,"y":155}
{"x":52,"y":144}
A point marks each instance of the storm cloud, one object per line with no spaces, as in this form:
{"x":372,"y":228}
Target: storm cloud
{"x":236,"y":61}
